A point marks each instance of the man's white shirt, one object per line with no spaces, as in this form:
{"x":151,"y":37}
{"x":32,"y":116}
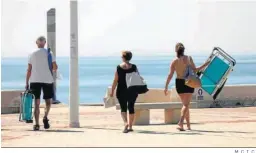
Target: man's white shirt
{"x":40,"y":69}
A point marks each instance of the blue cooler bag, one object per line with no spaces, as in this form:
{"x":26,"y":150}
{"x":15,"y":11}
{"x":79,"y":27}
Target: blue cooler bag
{"x":26,"y":107}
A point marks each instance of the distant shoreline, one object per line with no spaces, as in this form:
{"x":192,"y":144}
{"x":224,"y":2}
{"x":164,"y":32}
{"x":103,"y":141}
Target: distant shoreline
{"x":137,"y":55}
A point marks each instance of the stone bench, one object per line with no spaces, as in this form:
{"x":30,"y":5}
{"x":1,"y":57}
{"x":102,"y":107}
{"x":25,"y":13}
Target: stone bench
{"x":172,"y":111}
{"x":155,"y":99}
{"x":10,"y":101}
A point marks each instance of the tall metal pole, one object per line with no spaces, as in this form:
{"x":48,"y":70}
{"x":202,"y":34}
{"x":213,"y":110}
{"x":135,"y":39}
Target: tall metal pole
{"x":73,"y":69}
{"x":51,"y":42}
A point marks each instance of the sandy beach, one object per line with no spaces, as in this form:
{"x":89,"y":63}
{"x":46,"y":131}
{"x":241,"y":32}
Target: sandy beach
{"x":100,"y":127}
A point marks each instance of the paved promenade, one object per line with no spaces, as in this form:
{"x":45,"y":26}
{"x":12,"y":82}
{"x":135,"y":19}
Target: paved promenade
{"x":221,"y":127}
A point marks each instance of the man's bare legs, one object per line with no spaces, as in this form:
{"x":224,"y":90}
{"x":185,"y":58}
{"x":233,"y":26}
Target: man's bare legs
{"x":47,"y":107}
{"x":47,"y":110}
{"x":37,"y":111}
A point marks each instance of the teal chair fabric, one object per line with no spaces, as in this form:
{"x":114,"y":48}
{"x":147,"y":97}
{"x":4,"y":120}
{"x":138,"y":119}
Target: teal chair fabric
{"x":213,"y":74}
{"x":27,"y":102}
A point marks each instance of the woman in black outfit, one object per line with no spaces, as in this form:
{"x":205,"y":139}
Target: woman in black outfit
{"x":126,"y":99}
{"x":179,"y":66}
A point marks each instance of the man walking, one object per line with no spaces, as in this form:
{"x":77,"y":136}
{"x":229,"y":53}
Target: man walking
{"x":40,"y":78}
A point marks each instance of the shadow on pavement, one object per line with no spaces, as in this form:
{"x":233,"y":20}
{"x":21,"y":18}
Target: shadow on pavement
{"x":207,"y":131}
{"x":164,"y":124}
{"x":64,"y":131}
{"x":146,"y":132}
{"x":5,"y":129}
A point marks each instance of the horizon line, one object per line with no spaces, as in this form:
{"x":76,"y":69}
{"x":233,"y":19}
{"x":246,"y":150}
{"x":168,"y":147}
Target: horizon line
{"x":138,"y":55}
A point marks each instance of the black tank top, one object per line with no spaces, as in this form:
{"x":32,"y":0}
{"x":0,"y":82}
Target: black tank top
{"x":121,"y":86}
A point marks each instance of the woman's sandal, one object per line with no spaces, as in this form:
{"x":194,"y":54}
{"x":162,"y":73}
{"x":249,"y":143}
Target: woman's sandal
{"x":130,"y":130}
{"x":126,"y":129}
{"x":36,"y":127}
{"x":180,"y":129}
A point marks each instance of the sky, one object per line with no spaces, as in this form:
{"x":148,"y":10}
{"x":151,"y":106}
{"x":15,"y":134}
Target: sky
{"x":147,"y":27}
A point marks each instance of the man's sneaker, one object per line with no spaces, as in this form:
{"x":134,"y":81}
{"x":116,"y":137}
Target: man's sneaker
{"x":36,"y":127}
{"x":46,"y":123}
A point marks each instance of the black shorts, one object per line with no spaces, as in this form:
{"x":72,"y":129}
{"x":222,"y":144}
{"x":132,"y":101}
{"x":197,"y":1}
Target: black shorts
{"x":181,"y":87}
{"x":47,"y":90}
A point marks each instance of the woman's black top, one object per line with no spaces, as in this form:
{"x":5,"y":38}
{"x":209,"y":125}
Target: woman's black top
{"x":121,"y":86}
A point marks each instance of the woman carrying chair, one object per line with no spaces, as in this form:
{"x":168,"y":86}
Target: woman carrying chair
{"x":179,"y":65}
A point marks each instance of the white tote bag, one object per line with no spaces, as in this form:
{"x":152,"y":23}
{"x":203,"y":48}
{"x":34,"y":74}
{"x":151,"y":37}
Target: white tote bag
{"x":134,"y":79}
{"x":109,"y":102}
{"x":135,"y":83}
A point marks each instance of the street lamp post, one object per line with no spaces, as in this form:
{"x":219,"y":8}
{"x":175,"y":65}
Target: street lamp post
{"x":73,"y":69}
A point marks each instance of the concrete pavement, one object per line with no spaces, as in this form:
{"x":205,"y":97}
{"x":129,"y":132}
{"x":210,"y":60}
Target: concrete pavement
{"x":215,"y":127}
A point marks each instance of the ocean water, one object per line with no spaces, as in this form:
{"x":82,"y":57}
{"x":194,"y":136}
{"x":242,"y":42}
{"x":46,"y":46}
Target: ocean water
{"x":96,"y":74}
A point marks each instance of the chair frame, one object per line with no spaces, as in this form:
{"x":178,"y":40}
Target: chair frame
{"x":218,"y":52}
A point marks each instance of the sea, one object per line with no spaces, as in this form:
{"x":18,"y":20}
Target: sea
{"x":97,"y":73}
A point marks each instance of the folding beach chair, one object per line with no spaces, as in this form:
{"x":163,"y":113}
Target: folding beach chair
{"x":26,"y":107}
{"x":214,"y":76}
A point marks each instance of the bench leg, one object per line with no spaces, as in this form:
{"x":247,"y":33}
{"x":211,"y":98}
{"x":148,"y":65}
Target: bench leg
{"x":171,"y":116}
{"x":142,"y":117}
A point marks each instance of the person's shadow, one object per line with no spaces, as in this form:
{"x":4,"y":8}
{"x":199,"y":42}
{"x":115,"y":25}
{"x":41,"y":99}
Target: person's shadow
{"x":146,"y":131}
{"x":59,"y":131}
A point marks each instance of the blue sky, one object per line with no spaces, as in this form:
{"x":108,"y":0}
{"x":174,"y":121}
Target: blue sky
{"x":146,"y":27}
